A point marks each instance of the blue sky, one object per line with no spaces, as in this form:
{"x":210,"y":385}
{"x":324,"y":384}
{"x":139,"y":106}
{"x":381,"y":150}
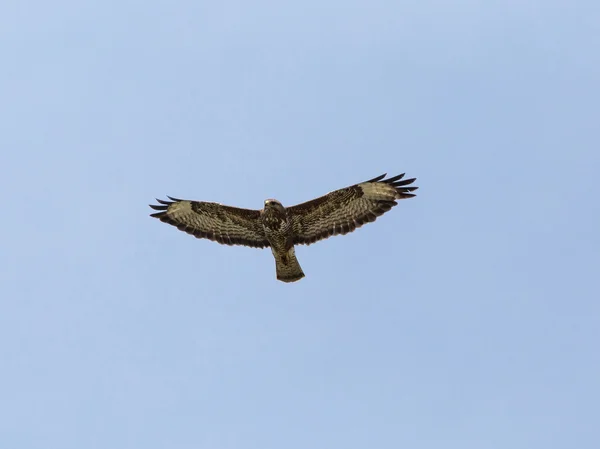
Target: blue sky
{"x":467,"y":317}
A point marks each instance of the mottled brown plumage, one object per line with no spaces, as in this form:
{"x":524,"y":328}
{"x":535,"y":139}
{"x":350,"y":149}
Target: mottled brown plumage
{"x":280,"y":228}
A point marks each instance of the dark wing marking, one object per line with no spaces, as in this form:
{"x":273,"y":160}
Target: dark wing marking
{"x":344,"y":210}
{"x":223,"y":224}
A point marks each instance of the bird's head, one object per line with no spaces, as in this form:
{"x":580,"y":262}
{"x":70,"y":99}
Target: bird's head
{"x":274,"y":205}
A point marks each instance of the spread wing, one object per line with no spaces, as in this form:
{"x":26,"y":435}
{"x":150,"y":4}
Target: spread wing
{"x":223,"y":224}
{"x":344,"y":210}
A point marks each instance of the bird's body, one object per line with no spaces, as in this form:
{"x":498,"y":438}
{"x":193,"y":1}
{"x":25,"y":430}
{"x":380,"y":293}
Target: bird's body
{"x":279,"y":232}
{"x":280,"y":228}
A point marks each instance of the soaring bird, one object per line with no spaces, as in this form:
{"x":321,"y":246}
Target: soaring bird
{"x":279,"y":227}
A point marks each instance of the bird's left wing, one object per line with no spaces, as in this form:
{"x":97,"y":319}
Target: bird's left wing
{"x":344,"y":210}
{"x":224,"y":224}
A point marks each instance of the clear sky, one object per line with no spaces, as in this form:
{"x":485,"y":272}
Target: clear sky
{"x":465,"y":318}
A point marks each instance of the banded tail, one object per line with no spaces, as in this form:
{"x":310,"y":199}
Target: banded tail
{"x":287,"y":267}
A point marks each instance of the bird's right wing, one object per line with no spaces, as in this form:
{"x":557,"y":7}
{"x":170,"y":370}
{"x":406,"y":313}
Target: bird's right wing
{"x":224,"y":224}
{"x":344,"y":210}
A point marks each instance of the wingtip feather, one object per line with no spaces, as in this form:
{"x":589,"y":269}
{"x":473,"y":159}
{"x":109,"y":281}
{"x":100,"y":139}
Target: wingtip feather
{"x":156,"y":207}
{"x":394,"y":178}
{"x":378,"y":178}
{"x":403,"y":183}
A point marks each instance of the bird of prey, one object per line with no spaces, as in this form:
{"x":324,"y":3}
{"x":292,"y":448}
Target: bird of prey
{"x":279,"y":227}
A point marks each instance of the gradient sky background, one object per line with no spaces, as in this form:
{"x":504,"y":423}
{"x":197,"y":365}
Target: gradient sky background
{"x":467,"y":317}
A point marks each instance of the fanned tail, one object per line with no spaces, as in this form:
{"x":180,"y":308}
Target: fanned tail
{"x":287,"y":267}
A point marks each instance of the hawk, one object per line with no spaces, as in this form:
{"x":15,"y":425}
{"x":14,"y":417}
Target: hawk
{"x":279,"y":227}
